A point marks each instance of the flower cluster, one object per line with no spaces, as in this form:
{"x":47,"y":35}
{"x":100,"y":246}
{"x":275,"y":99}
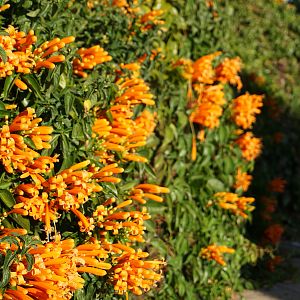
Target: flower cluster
{"x":245,"y":107}
{"x":111,"y":218}
{"x":89,"y":58}
{"x":215,"y":252}
{"x":22,"y":58}
{"x":238,"y":205}
{"x":124,"y":134}
{"x":132,"y":273}
{"x":208,"y":83}
{"x":227,"y":71}
{"x":249,"y":145}
{"x":242,"y":180}
{"x":150,"y":19}
{"x":15,"y":154}
{"x":56,"y":269}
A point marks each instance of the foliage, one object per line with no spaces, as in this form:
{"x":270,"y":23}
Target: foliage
{"x":88,"y":150}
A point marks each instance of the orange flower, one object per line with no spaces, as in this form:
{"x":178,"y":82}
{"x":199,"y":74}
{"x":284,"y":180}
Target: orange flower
{"x":15,"y":154}
{"x":146,"y":191}
{"x":249,"y":145}
{"x":110,"y":218}
{"x":242,"y":180}
{"x":214,"y":252}
{"x":208,"y":108}
{"x":151,"y":18}
{"x":53,"y":274}
{"x":227,"y":71}
{"x":245,"y":108}
{"x":273,"y":233}
{"x":238,"y":205}
{"x":277,"y":185}
{"x":124,"y":134}
{"x":132,"y":273}
{"x":55,"y":271}
{"x":67,"y":190}
{"x":207,"y":114}
{"x":89,"y":59}
{"x":4,"y":7}
{"x":203,"y":71}
{"x":21,"y":57}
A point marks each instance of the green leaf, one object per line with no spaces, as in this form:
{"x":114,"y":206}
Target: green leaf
{"x":29,"y":142}
{"x":7,"y":198}
{"x":8,"y":85}
{"x":3,"y":55}
{"x":216,"y":185}
{"x":33,"y":83}
{"x":30,"y":261}
{"x":33,"y":13}
{"x":24,"y":223}
{"x":68,"y":101}
{"x":2,"y":105}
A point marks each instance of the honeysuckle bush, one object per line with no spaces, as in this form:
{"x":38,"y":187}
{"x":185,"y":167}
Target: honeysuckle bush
{"x":85,"y":159}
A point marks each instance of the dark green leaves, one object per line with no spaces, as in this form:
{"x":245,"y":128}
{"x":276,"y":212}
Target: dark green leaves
{"x":7,"y":198}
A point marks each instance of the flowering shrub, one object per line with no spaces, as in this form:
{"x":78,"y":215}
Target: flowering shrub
{"x":126,"y":150}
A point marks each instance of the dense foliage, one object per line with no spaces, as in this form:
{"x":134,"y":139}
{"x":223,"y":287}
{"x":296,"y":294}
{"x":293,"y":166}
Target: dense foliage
{"x":82,"y":157}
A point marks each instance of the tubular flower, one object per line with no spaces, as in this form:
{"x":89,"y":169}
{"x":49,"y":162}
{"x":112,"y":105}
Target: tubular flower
{"x":72,"y":187}
{"x":124,"y":134}
{"x":234,"y":203}
{"x":227,"y":71}
{"x":125,"y":7}
{"x":89,"y":59}
{"x":151,"y":18}
{"x":273,"y":234}
{"x":207,"y":114}
{"x":144,"y":191}
{"x":65,"y":191}
{"x":4,"y":7}
{"x":132,"y":273}
{"x":242,"y":180}
{"x":109,"y":218}
{"x":249,"y":145}
{"x":134,"y":67}
{"x":41,"y":165}
{"x":203,"y":71}
{"x":56,"y":269}
{"x":106,"y":173}
{"x":277,"y":185}
{"x":15,"y":154}
{"x":134,"y":91}
{"x":245,"y":108}
{"x":210,"y":93}
{"x":208,"y":108}
{"x":27,"y":122}
{"x":146,"y":121}
{"x":53,"y":275}
{"x":215,"y":252}
{"x":21,"y":57}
